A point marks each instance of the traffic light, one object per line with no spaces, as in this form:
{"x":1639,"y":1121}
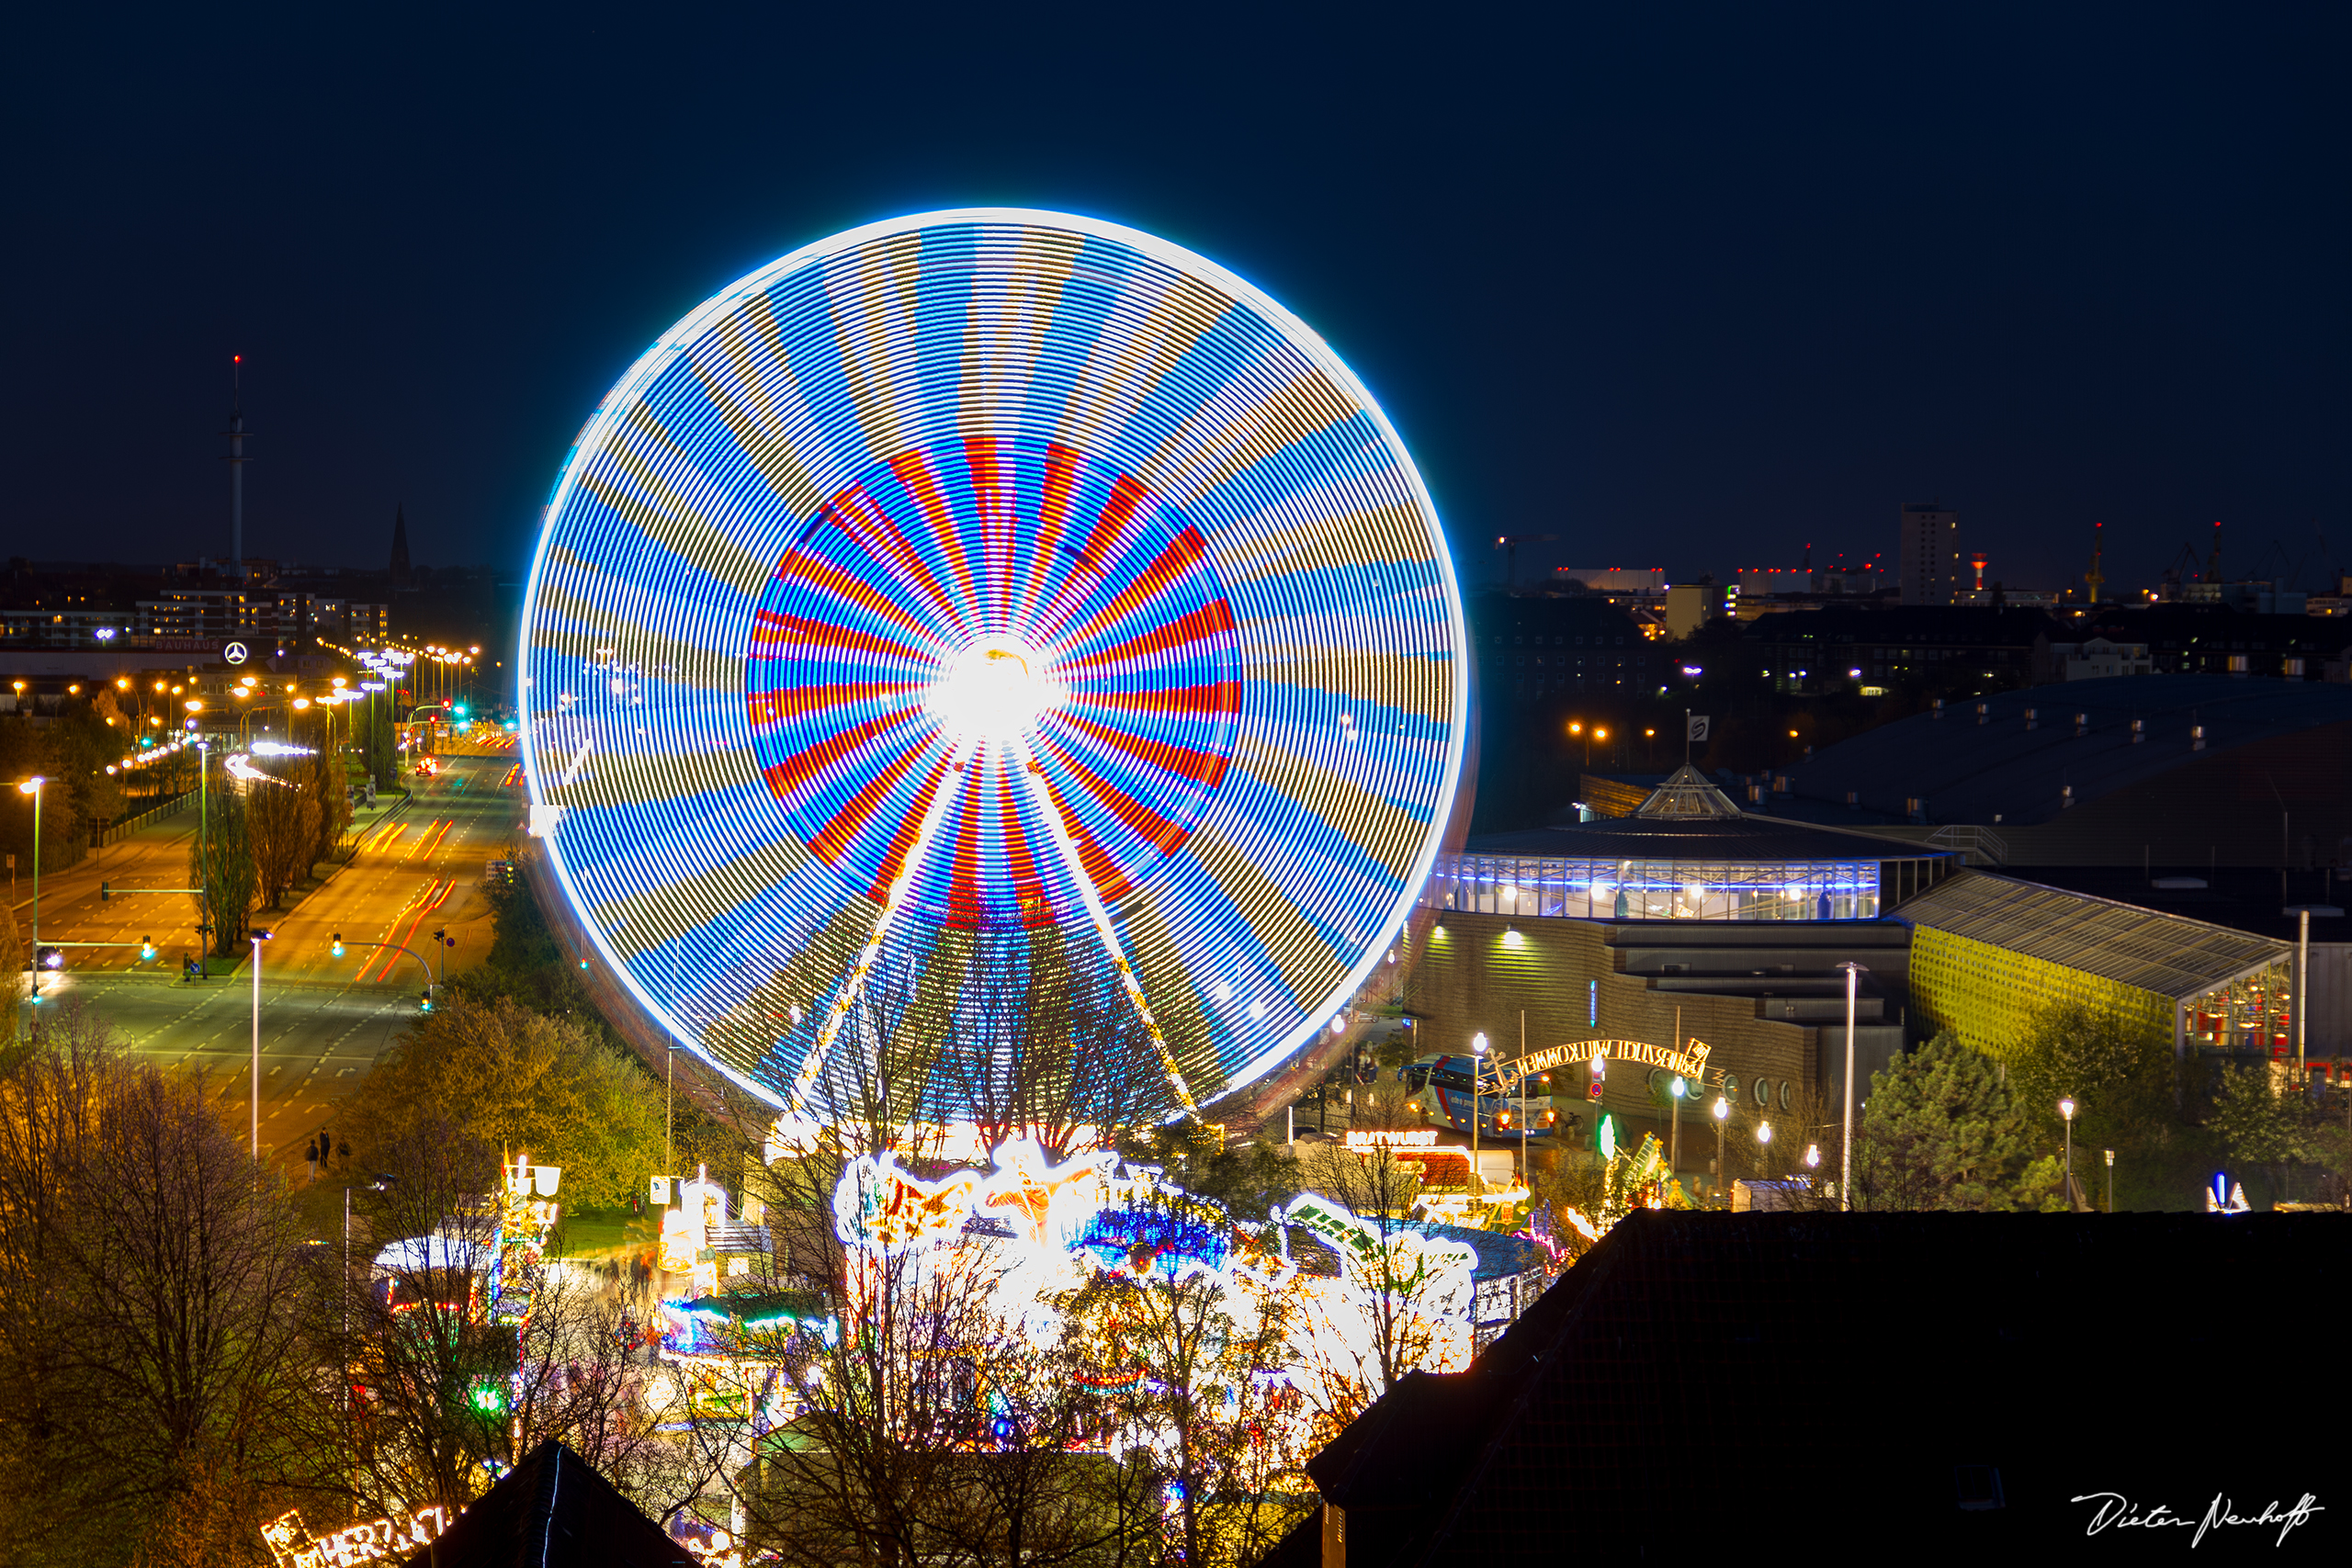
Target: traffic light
{"x":103,"y":893}
{"x":146,"y":949}
{"x":425,"y":1002}
{"x":338,"y":944}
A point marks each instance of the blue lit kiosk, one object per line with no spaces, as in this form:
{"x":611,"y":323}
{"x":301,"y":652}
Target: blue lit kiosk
{"x":1688,"y":919}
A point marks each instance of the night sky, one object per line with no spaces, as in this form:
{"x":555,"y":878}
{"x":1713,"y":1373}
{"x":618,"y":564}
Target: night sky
{"x":1689,"y":287}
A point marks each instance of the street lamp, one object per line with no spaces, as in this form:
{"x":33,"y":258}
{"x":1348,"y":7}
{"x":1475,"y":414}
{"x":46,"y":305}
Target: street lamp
{"x":1674,"y":1155}
{"x":1723,"y":1114}
{"x":204,"y":857}
{"x":1477,"y":1083}
{"x":2066,"y":1109}
{"x":1764,"y":1144}
{"x":1846,"y":1139}
{"x":33,"y":786}
{"x":257,"y":936}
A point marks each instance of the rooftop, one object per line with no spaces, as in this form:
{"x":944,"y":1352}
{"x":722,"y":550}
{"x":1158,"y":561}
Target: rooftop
{"x":2242,"y":898}
{"x":1740,"y":838}
{"x":1968,"y":772}
{"x":1641,"y":1368}
{"x":2170,"y":955}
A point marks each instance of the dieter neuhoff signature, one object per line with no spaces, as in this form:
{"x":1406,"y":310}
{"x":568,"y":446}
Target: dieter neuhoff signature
{"x":2113,"y":1510}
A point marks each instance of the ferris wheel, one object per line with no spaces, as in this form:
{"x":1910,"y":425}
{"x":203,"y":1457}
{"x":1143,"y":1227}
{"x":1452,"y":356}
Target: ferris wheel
{"x":979,"y":586}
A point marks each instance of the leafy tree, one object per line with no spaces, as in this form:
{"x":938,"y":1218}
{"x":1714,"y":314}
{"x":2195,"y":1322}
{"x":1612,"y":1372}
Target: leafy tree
{"x":523,"y":1082}
{"x":524,"y":963}
{"x":380,"y":742}
{"x":1940,"y":1131}
{"x":2118,"y":1067}
{"x":1194,"y":1358}
{"x":2260,"y":1126}
{"x":323,"y":778}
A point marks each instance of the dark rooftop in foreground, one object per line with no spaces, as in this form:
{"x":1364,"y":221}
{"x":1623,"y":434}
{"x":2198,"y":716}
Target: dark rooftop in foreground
{"x":552,"y":1509}
{"x":1948,"y":1383}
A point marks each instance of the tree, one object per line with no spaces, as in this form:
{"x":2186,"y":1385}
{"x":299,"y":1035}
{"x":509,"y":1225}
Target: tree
{"x":149,"y":1281}
{"x":2260,"y":1126}
{"x":1385,"y":1319}
{"x":2117,"y":1069}
{"x":1059,"y":1055}
{"x":1939,"y":1131}
{"x":13,"y":983}
{"x":520,"y":1081}
{"x":1191,"y":1364}
{"x":380,"y":744}
{"x":323,"y":779}
{"x":467,"y":1349}
{"x":221,"y":863}
{"x":282,"y":826}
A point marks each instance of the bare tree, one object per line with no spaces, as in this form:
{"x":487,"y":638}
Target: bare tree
{"x":1199,"y":1389}
{"x":150,"y":1278}
{"x":467,"y":1349}
{"x":1388,"y":1319}
{"x":282,"y":824}
{"x":1058,"y":1053}
{"x":221,"y":867}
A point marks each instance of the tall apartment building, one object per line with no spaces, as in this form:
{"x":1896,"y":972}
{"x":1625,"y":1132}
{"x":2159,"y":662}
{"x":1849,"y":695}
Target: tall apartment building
{"x":1930,"y":564}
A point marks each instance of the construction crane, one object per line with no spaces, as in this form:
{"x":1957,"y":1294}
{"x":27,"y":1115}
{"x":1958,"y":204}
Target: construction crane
{"x":1509,"y":544}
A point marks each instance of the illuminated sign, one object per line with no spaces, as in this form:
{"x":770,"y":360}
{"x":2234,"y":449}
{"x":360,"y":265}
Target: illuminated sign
{"x":1398,"y":1138}
{"x":1690,"y":1063}
{"x":393,"y":1538}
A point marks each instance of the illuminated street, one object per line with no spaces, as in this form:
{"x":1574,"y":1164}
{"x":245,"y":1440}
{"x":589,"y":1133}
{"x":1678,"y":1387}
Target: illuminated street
{"x":419,"y":867}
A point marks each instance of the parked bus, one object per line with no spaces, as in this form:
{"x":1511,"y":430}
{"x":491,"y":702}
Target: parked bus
{"x":1444,"y":1084}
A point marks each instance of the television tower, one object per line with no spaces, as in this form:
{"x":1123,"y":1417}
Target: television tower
{"x":2092,"y":579}
{"x":236,"y":461}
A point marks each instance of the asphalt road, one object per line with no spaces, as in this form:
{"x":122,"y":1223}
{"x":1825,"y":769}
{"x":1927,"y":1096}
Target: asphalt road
{"x":325,"y":1019}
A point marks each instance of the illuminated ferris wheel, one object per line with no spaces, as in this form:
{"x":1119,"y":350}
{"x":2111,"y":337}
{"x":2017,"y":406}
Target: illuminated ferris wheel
{"x":977,"y":587}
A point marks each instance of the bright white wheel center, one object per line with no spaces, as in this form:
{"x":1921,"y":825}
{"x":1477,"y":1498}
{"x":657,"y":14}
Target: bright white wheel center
{"x":995,"y":690}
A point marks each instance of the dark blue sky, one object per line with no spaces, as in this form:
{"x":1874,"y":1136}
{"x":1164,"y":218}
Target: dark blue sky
{"x":1689,"y":287}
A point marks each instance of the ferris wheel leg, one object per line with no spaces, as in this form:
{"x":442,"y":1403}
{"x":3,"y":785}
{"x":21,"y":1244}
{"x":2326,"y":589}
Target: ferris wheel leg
{"x":1026,"y":764}
{"x":949,"y":788}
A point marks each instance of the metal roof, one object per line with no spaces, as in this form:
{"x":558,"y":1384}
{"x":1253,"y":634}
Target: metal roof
{"x":1743,"y":837}
{"x":1687,"y":793}
{"x":1968,"y":772}
{"x":2169,"y":955}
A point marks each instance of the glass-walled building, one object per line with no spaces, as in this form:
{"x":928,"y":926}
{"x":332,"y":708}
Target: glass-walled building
{"x":1688,"y":853}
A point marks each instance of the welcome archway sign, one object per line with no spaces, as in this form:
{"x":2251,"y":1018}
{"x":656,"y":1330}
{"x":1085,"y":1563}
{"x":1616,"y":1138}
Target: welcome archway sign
{"x":1690,"y":1062}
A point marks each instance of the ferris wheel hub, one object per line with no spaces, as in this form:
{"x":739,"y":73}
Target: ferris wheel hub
{"x":996,"y":690}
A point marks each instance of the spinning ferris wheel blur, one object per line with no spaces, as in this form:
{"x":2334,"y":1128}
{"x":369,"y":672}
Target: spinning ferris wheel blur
{"x":978,"y":593}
